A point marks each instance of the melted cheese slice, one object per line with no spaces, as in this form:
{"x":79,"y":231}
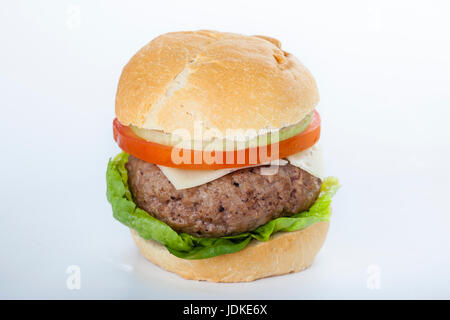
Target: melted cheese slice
{"x":183,"y":179}
{"x":309,"y":160}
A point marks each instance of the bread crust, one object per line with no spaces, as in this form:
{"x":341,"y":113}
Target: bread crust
{"x":216,"y":80}
{"x":285,"y":252}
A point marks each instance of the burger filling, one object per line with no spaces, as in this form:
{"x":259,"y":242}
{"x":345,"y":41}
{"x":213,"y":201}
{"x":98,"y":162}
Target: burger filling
{"x":239,"y":139}
{"x":238,"y":202}
{"x":225,"y":213}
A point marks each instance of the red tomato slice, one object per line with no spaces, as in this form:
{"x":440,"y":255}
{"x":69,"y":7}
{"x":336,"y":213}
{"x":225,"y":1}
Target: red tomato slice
{"x":174,"y":157}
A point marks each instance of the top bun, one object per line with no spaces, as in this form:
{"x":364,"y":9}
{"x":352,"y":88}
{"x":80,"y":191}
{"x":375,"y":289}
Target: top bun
{"x":217,"y":80}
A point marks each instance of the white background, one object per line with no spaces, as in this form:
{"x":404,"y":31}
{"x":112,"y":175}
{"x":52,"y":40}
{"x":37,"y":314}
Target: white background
{"x":383,"y":70}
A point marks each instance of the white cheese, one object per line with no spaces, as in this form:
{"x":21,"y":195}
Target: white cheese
{"x":309,"y":160}
{"x":183,"y":179}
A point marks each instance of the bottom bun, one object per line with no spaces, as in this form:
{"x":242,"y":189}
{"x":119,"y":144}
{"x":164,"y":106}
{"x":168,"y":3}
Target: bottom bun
{"x":285,"y":252}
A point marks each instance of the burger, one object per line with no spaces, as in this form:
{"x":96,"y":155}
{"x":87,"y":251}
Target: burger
{"x":220,"y":178}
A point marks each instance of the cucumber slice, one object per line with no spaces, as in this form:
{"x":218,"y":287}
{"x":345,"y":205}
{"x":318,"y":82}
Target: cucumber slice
{"x":168,"y":139}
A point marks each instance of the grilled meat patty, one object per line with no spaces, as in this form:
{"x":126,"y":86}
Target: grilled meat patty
{"x":238,"y":202}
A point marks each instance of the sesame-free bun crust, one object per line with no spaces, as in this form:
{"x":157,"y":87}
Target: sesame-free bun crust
{"x":285,"y":252}
{"x":224,"y":80}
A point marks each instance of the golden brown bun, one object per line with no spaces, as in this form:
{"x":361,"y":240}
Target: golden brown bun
{"x":225,"y":80}
{"x":285,"y":252}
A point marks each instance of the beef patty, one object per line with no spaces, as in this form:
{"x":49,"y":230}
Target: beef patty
{"x":240,"y":201}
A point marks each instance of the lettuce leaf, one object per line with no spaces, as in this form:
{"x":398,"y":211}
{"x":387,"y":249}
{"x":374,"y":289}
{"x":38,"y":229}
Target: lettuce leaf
{"x":189,"y":247}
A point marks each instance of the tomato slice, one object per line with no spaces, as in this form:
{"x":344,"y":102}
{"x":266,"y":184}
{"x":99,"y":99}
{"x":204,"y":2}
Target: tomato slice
{"x":163,"y":155}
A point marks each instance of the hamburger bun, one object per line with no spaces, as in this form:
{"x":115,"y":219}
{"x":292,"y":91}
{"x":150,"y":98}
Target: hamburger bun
{"x":220,"y":80}
{"x":285,"y":252}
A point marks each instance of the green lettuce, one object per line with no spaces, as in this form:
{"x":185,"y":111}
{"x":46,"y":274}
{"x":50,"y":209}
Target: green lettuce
{"x":186,"y":246}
